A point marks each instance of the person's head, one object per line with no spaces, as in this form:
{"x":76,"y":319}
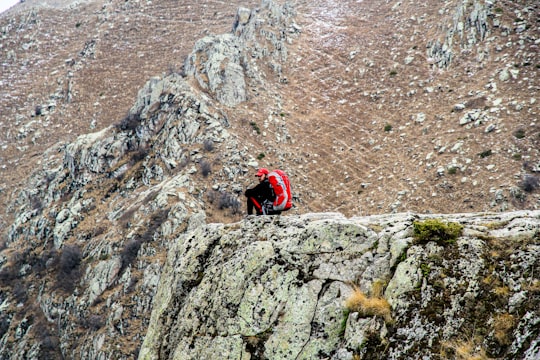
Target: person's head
{"x":262,"y":173}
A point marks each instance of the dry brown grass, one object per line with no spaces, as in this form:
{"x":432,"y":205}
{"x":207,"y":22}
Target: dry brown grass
{"x":501,"y":291}
{"x":369,"y":306}
{"x":533,"y":286}
{"x":503,"y":325}
{"x":377,"y":288}
{"x":324,"y":82}
{"x":462,"y":350}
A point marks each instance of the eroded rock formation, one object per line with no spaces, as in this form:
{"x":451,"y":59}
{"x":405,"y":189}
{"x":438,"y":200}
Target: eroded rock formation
{"x":276,"y":288}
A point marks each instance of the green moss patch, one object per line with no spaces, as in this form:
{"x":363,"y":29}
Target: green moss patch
{"x":436,"y":230}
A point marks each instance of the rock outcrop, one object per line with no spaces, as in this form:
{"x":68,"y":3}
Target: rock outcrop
{"x":276,"y":288}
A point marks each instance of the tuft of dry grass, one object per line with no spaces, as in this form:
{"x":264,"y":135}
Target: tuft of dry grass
{"x":377,"y":288}
{"x":374,"y":306}
{"x":501,"y":291}
{"x":462,"y":350}
{"x":503,"y":325}
{"x":532,"y":286}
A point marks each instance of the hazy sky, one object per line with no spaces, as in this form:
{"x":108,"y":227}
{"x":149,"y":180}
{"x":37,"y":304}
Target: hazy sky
{"x":4,"y":4}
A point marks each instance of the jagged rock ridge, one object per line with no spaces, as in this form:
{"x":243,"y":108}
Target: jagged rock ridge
{"x":275,"y":288}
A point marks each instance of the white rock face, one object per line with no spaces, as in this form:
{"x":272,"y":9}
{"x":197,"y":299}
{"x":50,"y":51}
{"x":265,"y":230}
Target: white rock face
{"x":275,"y":287}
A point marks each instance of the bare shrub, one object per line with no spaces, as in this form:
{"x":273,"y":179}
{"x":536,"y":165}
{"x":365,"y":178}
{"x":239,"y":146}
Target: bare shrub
{"x":94,"y":322}
{"x":36,"y":203}
{"x":129,"y":253}
{"x":69,"y":271}
{"x":212,"y":196}
{"x":224,"y":200}
{"x":4,"y":326}
{"x":186,"y":158}
{"x":156,"y":220}
{"x":206,"y":167}
{"x":132,"y":247}
{"x":208,"y":145}
{"x":8,"y":273}
{"x":129,"y":123}
{"x":19,"y":291}
{"x":229,"y":201}
{"x":529,"y":183}
{"x":138,"y":155}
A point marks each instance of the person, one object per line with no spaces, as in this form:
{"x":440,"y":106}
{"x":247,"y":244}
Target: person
{"x":261,"y":197}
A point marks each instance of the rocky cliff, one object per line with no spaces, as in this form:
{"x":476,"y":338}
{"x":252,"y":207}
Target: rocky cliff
{"x":321,"y":286}
{"x":130,"y":242}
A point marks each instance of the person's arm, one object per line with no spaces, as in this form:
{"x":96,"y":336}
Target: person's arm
{"x":249,"y":192}
{"x":258,"y":192}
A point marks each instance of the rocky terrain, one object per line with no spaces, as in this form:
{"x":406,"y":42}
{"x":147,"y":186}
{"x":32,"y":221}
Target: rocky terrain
{"x":320,"y":286}
{"x":133,"y":127}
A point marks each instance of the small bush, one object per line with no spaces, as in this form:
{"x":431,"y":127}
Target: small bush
{"x":462,"y":349}
{"x":94,"y":322}
{"x":485,"y":154}
{"x":212,"y":196}
{"x":393,"y":73}
{"x":138,"y":155}
{"x":19,"y":292}
{"x":229,"y":201}
{"x":376,"y":306}
{"x":387,"y":127}
{"x":4,"y":326}
{"x":69,"y":267}
{"x":50,"y":343}
{"x":8,"y":273}
{"x":529,"y":183}
{"x":129,"y":123}
{"x":208,"y":145}
{"x":503,"y":325}
{"x":436,"y":230}
{"x":519,"y":134}
{"x":255,"y":126}
{"x":452,"y":170}
{"x":184,"y":161}
{"x":224,"y":200}
{"x":206,"y":168}
{"x":260,"y":156}
{"x":129,"y":253}
{"x":132,"y":247}
{"x":157,"y":219}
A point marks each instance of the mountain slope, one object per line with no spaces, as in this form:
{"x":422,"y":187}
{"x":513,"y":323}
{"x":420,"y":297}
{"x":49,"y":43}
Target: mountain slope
{"x":153,"y":115}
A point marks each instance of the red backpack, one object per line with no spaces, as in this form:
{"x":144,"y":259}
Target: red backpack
{"x":282,"y":189}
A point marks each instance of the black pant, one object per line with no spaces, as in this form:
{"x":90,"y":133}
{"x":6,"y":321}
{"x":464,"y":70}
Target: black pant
{"x":260,"y":209}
